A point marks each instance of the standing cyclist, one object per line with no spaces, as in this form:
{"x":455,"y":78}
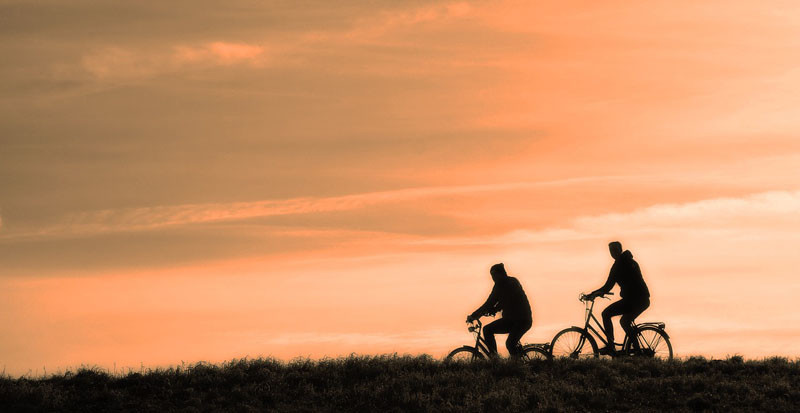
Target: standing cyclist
{"x":635,"y":297}
{"x":508,"y":296}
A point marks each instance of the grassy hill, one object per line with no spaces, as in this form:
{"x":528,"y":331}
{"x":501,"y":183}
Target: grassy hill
{"x":392,"y":383}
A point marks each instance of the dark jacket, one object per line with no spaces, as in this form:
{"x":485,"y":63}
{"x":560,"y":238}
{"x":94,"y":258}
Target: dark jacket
{"x":627,"y":274}
{"x":508,"y":296}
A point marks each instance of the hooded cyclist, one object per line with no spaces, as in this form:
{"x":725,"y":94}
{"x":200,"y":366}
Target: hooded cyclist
{"x":509,"y":297}
{"x":635,"y":297}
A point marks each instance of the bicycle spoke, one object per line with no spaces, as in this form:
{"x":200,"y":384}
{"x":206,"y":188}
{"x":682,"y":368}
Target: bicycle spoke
{"x":654,"y":344}
{"x":572,"y":343}
{"x":532,"y":353}
{"x":657,"y":340}
{"x":464,"y":355}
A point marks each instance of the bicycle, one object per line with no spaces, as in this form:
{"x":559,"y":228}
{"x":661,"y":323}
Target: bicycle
{"x":480,"y":352}
{"x":578,"y":342}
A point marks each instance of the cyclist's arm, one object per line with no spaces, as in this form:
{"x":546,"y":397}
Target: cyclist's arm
{"x":606,"y":288}
{"x":490,"y":303}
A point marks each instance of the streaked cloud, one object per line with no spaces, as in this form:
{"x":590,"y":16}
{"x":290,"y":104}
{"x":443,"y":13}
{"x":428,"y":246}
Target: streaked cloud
{"x":124,"y":63}
{"x":768,"y":208}
{"x":775,"y":209}
{"x":137,"y":219}
{"x":762,"y":209}
{"x":221,"y":53}
{"x":140,"y":60}
{"x":373,"y":28}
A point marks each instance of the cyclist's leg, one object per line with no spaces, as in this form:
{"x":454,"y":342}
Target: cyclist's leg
{"x":515,"y":334}
{"x":501,"y":326}
{"x":635,"y":309}
{"x":613,"y":310}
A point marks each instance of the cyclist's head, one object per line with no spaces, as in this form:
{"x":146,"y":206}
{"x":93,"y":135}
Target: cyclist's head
{"x":615,"y":248}
{"x":498,"y":271}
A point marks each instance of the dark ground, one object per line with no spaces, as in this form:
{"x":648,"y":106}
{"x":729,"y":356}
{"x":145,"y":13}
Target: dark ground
{"x":392,"y":383}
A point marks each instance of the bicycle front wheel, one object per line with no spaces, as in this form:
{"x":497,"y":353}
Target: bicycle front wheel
{"x":534,"y":353}
{"x":465,"y":353}
{"x":574,"y":343}
{"x":653,"y":342}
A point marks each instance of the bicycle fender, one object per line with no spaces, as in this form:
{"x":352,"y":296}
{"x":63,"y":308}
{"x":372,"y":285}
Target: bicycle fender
{"x":655,"y":328}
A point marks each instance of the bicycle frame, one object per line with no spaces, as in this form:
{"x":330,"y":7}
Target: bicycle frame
{"x":640,"y":339}
{"x":480,"y":342}
{"x":589,"y":317}
{"x":602,"y":337}
{"x":597,"y":329}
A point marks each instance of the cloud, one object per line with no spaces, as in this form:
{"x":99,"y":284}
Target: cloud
{"x":221,"y":53}
{"x":377,"y":26}
{"x":127,"y":63}
{"x":766,"y":209}
{"x":761,"y":208}
{"x":777,"y":208}
{"x":138,"y":219}
{"x":438,"y":13}
{"x":119,"y":63}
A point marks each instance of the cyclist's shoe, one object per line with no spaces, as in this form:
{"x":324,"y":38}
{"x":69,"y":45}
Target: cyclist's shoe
{"x":606,"y":351}
{"x":518,"y":352}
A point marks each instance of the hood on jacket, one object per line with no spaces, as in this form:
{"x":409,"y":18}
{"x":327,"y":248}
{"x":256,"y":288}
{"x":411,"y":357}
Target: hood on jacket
{"x":498,"y":272}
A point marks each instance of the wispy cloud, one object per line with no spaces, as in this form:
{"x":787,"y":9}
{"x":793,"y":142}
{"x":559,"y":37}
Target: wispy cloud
{"x":221,"y":53}
{"x":123,"y":63}
{"x":766,"y":209}
{"x":376,"y":26}
{"x":762,"y":208}
{"x":120,"y":62}
{"x":138,"y":219}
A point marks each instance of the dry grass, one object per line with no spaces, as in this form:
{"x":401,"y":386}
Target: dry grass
{"x":392,"y":383}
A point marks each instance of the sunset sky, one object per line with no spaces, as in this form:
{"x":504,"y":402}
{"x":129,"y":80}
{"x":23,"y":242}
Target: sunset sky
{"x":194,"y":180}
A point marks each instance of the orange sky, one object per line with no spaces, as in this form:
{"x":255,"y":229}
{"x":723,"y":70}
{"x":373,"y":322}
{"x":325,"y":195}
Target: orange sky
{"x":185,"y":182}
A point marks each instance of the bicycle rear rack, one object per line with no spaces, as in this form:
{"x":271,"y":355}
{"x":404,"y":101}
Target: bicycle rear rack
{"x":543,"y":346}
{"x":656,"y":324}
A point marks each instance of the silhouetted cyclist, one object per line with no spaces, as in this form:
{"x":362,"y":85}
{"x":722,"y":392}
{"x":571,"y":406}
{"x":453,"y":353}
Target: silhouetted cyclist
{"x":509,"y":297}
{"x":635,"y":297}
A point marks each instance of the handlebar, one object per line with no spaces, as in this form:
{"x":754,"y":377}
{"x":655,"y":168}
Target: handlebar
{"x":586,"y":297}
{"x":475,"y":325}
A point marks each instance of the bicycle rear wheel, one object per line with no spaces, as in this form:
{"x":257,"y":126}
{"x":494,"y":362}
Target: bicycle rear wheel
{"x":534,"y":353}
{"x":574,"y":343}
{"x":653,"y":342}
{"x":465,"y":353}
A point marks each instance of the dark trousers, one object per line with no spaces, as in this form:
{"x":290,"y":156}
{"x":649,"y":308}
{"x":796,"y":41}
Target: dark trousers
{"x":629,"y":309}
{"x":514,"y":328}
